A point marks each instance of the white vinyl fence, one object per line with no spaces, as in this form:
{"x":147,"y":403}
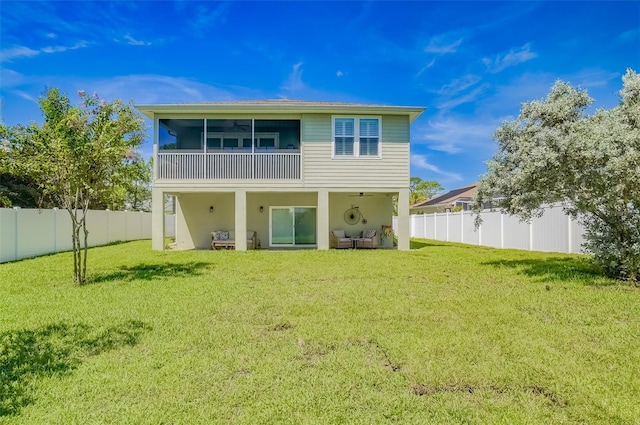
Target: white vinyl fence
{"x":28,"y":233}
{"x":553,"y":232}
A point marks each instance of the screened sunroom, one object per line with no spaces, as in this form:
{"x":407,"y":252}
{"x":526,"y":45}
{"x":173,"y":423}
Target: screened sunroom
{"x":200,"y":148}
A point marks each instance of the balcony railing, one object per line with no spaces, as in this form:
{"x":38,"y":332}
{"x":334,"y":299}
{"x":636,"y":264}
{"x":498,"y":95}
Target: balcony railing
{"x":219,"y":166}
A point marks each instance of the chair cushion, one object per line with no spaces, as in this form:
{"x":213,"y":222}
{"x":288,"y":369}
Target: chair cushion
{"x":344,"y":239}
{"x":339,"y":233}
{"x":216,"y":235}
{"x":224,"y":236}
{"x":232,"y":235}
{"x":368,"y":233}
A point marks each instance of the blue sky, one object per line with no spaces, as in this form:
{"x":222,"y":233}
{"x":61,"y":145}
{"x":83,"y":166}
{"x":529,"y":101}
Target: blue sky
{"x":471,"y":64}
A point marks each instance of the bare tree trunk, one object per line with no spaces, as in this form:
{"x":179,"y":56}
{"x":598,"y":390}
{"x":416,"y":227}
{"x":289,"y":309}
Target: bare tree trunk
{"x":72,"y":207}
{"x":85,"y":208}
{"x":75,"y":243}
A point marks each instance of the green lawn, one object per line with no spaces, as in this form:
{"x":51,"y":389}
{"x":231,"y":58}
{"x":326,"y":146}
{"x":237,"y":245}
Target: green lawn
{"x":443,"y":334}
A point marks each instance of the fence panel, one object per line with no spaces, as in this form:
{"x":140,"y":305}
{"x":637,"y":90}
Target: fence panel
{"x":491,"y":230}
{"x":98,"y":235}
{"x":515,"y":233}
{"x":455,"y":227}
{"x":553,"y":232}
{"x":430,"y":231}
{"x":7,"y":234}
{"x":470,"y":234}
{"x":28,"y":233}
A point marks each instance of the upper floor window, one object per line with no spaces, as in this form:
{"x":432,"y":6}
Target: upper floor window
{"x":356,"y":137}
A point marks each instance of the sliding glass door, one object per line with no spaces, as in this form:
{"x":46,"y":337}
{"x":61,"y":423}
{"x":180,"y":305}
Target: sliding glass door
{"x":292,"y":226}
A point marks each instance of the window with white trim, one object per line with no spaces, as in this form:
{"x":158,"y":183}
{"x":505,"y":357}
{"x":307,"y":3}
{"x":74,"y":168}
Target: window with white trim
{"x":356,"y":137}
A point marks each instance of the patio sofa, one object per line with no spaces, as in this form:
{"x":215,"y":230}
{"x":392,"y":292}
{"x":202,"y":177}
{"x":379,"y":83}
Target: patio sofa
{"x":227,"y":239}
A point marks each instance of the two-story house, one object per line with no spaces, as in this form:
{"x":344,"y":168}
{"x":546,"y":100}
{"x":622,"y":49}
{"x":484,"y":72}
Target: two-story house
{"x":291,"y":171}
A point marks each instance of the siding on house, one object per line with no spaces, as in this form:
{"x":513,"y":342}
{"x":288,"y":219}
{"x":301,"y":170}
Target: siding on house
{"x":395,"y":129}
{"x":320,"y":170}
{"x":315,"y":128}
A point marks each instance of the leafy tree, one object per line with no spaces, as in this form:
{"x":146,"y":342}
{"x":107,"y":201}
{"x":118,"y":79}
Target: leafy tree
{"x":556,"y":152}
{"x":421,"y":190}
{"x":18,"y":191}
{"x":80,"y":154}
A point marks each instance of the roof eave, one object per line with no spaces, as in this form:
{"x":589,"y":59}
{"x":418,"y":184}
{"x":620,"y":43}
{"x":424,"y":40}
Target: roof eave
{"x":150,"y":110}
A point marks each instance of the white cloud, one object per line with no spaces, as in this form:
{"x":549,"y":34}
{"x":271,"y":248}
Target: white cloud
{"x":17,"y":52}
{"x":59,"y":49}
{"x":630,"y":35}
{"x":511,"y":58}
{"x":339,"y":74}
{"x":133,"y":42}
{"x":294,"y":81}
{"x":208,"y":17}
{"x":26,"y":52}
{"x":442,"y":44}
{"x":152,"y":88}
{"x":24,"y":95}
{"x":457,"y":134}
{"x":467,"y":98}
{"x":420,"y":161}
{"x":459,"y":84}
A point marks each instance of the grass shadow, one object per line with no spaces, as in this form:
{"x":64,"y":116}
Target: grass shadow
{"x":422,"y":243}
{"x":557,"y":269}
{"x":52,"y":350}
{"x":150,"y":272}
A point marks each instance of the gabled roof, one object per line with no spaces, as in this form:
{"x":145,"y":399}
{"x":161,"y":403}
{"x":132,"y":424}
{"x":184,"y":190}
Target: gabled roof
{"x":281,"y":106}
{"x":464,"y":193}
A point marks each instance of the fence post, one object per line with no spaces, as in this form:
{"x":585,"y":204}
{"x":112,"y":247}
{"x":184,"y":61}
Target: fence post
{"x":55,"y":229}
{"x":569,"y":235}
{"x":15,"y":233}
{"x":501,"y":229}
{"x":447,"y":221}
{"x":435,"y":226}
{"x":531,"y":235}
{"x":480,"y":234}
{"x":424,"y":225}
{"x":461,"y":227}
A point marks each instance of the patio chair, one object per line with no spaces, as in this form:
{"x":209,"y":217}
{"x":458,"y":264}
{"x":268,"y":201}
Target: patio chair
{"x":368,"y":239}
{"x":338,"y":240}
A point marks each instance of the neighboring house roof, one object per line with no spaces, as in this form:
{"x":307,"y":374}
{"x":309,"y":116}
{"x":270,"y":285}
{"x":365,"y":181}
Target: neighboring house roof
{"x":463,"y":194}
{"x":282,"y":105}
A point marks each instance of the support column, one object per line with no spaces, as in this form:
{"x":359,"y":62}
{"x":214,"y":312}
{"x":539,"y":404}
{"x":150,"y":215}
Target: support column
{"x":241,"y":220}
{"x":323,"y":219}
{"x":403,"y":220}
{"x":157,"y":219}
